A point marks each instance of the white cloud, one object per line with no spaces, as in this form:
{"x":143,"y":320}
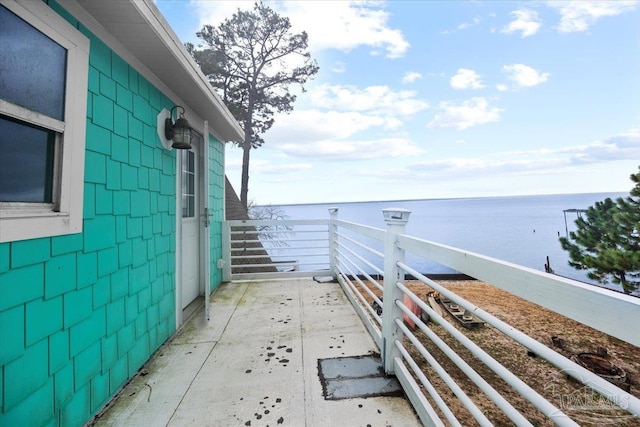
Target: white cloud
{"x":466,"y":79}
{"x":578,"y":16}
{"x":526,"y":22}
{"x":622,"y":146}
{"x":525,"y":76}
{"x":502,"y":87}
{"x":334,"y":135}
{"x":267,"y":167}
{"x":410,"y":77}
{"x":348,"y":150}
{"x":375,"y":99}
{"x":346,"y":25}
{"x":466,"y":25}
{"x":526,"y":162}
{"x":339,"y":67}
{"x":324,"y":125}
{"x":475,"y":111}
{"x":343,"y":25}
{"x":279,"y":168}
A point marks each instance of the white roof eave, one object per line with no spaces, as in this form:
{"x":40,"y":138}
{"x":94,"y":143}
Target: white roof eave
{"x":150,"y":42}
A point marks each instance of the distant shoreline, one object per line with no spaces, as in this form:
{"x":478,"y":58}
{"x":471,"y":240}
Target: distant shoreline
{"x":620,"y":193}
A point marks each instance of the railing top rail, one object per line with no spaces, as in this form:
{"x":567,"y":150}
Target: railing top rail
{"x":602,"y":309}
{"x":605,"y":310}
{"x":279,"y":222}
{"x":367,"y":230}
{"x":628,"y":402}
{"x":286,"y":231}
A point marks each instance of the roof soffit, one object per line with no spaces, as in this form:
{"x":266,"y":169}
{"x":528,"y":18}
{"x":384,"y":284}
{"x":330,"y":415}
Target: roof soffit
{"x":140,"y":28}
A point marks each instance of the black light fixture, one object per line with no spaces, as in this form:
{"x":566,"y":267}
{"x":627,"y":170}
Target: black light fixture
{"x":180,"y":132}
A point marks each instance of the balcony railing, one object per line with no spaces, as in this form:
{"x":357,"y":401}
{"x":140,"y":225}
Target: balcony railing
{"x":371,"y":265}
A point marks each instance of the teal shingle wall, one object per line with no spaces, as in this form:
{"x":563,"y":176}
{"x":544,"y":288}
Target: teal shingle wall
{"x":80,"y":314}
{"x":216,"y":204}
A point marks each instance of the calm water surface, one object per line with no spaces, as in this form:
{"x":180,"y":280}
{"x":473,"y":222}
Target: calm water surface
{"x":523,"y":230}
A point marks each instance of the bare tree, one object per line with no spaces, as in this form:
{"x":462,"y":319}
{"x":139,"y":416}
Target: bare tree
{"x":273,"y":234}
{"x":246,"y":58}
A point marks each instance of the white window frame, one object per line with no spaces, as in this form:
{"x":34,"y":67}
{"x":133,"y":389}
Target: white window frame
{"x":21,"y":221}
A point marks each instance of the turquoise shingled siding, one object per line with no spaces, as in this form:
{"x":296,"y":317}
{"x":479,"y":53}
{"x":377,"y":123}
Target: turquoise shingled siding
{"x":80,"y":314}
{"x":216,"y":201}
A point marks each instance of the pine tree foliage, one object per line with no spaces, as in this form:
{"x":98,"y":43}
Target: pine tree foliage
{"x":607,"y":240}
{"x":248,"y":58}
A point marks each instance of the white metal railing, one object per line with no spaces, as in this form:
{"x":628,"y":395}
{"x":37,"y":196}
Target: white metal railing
{"x":275,"y":249}
{"x":362,"y":257}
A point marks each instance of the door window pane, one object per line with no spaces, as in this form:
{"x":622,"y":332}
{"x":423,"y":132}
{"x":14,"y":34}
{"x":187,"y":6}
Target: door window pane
{"x":26,"y":162}
{"x":32,"y":67}
{"x":188,"y":184}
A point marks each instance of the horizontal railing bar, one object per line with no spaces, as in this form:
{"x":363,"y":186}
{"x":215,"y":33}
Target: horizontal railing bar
{"x":444,"y":375}
{"x":365,"y":230}
{"x":281,"y":240}
{"x":279,"y":264}
{"x":372,"y":328}
{"x":493,"y":394}
{"x":363,"y":286}
{"x":266,"y":231}
{"x":602,"y":309}
{"x":364,"y":273}
{"x":621,"y":398}
{"x":422,"y":406}
{"x":363,"y":246}
{"x":428,"y":386}
{"x":324,"y":255}
{"x":369,"y":264}
{"x":290,"y":248}
{"x":572,"y":299}
{"x":280,"y":275}
{"x":247,"y":248}
{"x":282,"y":222}
{"x":358,"y":303}
{"x":361,"y":297}
{"x":277,"y":248}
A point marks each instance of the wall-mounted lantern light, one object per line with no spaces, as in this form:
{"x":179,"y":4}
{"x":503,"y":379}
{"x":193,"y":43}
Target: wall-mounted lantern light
{"x":180,"y":132}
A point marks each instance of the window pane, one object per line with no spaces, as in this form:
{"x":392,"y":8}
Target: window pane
{"x":32,"y":67}
{"x":188,"y":206}
{"x":191,"y":157}
{"x":26,"y":162}
{"x":188,"y":184}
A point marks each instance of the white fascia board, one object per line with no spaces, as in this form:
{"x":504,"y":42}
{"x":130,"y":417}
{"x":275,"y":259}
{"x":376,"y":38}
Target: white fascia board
{"x":164,"y":31}
{"x":208,"y":106}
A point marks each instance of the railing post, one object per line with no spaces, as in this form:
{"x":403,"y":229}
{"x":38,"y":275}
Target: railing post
{"x":396,"y":219}
{"x":333,"y":230}
{"x":226,"y":252}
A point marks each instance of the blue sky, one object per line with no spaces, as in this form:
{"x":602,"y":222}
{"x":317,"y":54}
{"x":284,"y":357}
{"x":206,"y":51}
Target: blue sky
{"x":426,"y":99}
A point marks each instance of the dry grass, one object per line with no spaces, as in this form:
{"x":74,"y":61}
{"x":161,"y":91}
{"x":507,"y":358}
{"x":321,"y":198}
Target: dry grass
{"x":540,"y":324}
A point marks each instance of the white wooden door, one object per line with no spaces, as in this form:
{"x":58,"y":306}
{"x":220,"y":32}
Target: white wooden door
{"x":206,"y":259}
{"x":190,"y":224}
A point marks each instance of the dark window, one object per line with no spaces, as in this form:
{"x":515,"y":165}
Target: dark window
{"x":26,"y":162}
{"x":44,"y":64}
{"x":32,"y":67}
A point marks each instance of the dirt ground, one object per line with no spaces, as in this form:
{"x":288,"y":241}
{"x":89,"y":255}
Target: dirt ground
{"x":581,"y":403}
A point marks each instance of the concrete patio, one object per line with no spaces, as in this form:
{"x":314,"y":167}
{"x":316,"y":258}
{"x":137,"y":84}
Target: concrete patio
{"x":256,"y":363}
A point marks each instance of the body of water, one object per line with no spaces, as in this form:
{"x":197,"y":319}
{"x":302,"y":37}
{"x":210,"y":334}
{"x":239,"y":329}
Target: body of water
{"x":523,"y":230}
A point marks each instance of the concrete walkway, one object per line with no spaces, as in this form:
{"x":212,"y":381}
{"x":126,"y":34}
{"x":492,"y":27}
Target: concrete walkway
{"x":255,"y":363}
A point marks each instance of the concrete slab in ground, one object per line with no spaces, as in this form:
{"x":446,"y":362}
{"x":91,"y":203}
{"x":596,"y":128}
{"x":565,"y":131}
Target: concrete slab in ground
{"x":255,"y":363}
